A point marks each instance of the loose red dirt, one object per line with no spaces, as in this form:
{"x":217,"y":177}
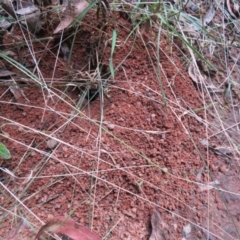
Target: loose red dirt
{"x":119,"y":158}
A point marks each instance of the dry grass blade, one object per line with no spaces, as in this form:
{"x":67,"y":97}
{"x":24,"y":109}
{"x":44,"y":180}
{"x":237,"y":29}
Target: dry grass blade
{"x":6,"y":73}
{"x":101,"y":142}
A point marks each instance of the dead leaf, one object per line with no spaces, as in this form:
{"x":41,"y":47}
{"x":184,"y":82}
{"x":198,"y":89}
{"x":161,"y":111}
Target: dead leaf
{"x":199,"y":177}
{"x":222,"y":151}
{"x":29,"y":15}
{"x":205,"y":142}
{"x":194,"y":73}
{"x":187,"y":230}
{"x":27,"y":10}
{"x":6,"y":73}
{"x":70,"y":13}
{"x":69,"y":228}
{"x":63,"y":24}
{"x":208,"y":186}
{"x":209,"y":15}
{"x":5,"y":24}
{"x":8,"y":7}
{"x":156,"y":222}
{"x":65,"y":51}
{"x":191,"y":30}
{"x":186,"y":26}
{"x":16,"y":91}
{"x":234,"y":12}
{"x":190,"y":5}
{"x":20,"y":226}
{"x":236,"y":7}
{"x":230,"y":9}
{"x":10,"y":53}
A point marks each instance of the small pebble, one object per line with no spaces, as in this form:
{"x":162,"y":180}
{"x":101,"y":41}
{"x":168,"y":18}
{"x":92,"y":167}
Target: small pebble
{"x":65,"y":148}
{"x":186,"y":230}
{"x":111,"y":127}
{"x":51,"y":143}
{"x":213,"y":167}
{"x":223,"y":168}
{"x":139,"y":104}
{"x":134,"y":210}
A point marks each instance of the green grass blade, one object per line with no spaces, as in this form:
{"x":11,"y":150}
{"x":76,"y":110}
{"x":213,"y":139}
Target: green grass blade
{"x":111,"y":67}
{"x":114,"y":40}
{"x":186,"y":42}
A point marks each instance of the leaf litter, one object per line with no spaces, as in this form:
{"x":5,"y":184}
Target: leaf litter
{"x":69,"y":228}
{"x":157,"y":226}
{"x":71,"y":12}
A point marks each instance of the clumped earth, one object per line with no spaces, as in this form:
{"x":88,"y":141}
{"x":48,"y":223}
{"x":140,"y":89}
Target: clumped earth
{"x":124,"y":158}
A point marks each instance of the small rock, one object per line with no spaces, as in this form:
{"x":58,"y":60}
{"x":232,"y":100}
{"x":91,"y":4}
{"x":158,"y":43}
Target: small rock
{"x":128,"y":213}
{"x":204,"y":142}
{"x":51,"y":143}
{"x":50,"y":216}
{"x":199,"y":234}
{"x":33,"y":154}
{"x":138,"y":104}
{"x":111,"y":127}
{"x":165,"y":170}
{"x":223,"y":168}
{"x":168,"y":125}
{"x":213,"y":167}
{"x":111,"y":112}
{"x":134,"y":210}
{"x":21,"y":129}
{"x":175,"y":226}
{"x":220,"y":206}
{"x":65,"y":148}
{"x":186,"y":230}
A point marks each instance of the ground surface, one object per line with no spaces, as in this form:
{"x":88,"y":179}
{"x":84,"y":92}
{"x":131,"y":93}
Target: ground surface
{"x":122,"y":157}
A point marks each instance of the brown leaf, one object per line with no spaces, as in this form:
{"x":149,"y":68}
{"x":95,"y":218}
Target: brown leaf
{"x":20,"y":226}
{"x":69,"y":14}
{"x":209,"y":15}
{"x":157,"y":225}
{"x":6,"y":73}
{"x":17,"y":91}
{"x":230,"y":8}
{"x":69,"y":228}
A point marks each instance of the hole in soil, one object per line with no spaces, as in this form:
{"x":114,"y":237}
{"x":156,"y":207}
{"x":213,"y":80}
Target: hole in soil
{"x":88,"y":74}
